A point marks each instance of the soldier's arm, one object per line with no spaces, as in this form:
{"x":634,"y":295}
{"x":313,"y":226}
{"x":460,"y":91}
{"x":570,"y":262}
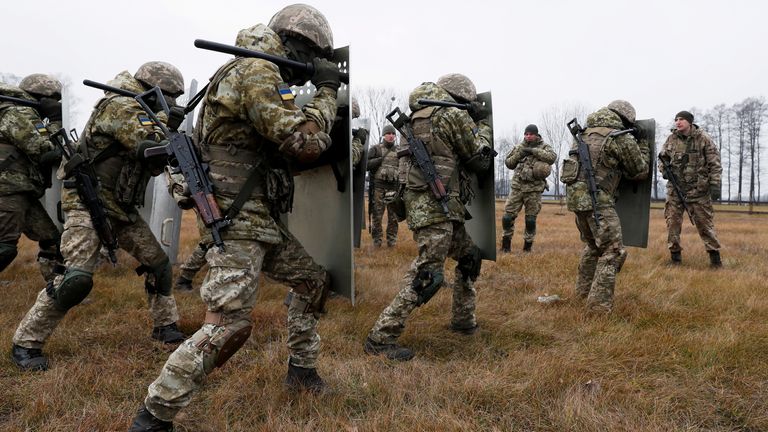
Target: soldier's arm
{"x":357,"y":151}
{"x":456,"y":128}
{"x":513,"y":157}
{"x":374,"y":158}
{"x":23,"y":128}
{"x":666,"y":154}
{"x":544,"y":153}
{"x":634,"y":156}
{"x":125,"y":120}
{"x":712,"y":158}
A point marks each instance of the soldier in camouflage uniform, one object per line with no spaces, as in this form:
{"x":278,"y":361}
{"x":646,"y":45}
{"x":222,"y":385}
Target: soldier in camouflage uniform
{"x":695,"y":163}
{"x":612,"y":157}
{"x":455,"y":140}
{"x":26,"y":161}
{"x":191,"y":267}
{"x":359,"y":137}
{"x":114,"y":139}
{"x":250,"y":127}
{"x":383,"y":167}
{"x":532,"y":161}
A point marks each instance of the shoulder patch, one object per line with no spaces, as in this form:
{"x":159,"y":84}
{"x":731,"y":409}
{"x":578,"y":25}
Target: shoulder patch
{"x":284,"y":90}
{"x":41,"y":129}
{"x":145,"y":120}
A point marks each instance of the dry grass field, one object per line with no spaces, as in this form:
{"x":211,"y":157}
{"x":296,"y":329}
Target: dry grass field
{"x":684,"y":350}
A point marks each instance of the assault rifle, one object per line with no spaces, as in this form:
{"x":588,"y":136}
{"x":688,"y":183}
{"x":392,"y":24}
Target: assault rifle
{"x":672,"y":178}
{"x":419,"y":155}
{"x":585,"y":161}
{"x":18,"y":101}
{"x":82,"y":177}
{"x":244,"y":52}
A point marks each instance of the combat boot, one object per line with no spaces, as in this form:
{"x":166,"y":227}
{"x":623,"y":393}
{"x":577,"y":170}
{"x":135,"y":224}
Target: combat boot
{"x":168,"y":334}
{"x":527,"y":246}
{"x":714,"y":259}
{"x":506,"y":244}
{"x":299,"y":379}
{"x":466,"y":331}
{"x":183,"y":284}
{"x":390,"y":351}
{"x":146,"y":422}
{"x":29,"y":359}
{"x":677,"y":258}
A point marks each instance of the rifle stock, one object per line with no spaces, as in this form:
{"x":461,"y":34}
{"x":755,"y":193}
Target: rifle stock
{"x":586,"y":164}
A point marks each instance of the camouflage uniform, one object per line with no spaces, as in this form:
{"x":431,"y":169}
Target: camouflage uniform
{"x":383,"y":166}
{"x":23,"y":142}
{"x":604,"y":253}
{"x":695,"y":163}
{"x":526,"y":187}
{"x":452,"y":138}
{"x":245,"y":127}
{"x":195,"y":262}
{"x":111,"y":138}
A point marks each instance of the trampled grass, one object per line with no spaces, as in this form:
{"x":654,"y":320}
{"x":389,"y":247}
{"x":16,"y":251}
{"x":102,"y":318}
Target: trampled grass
{"x":684,"y":349}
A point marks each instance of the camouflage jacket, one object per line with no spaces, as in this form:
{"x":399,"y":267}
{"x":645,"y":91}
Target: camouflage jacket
{"x":612,"y":159}
{"x":23,"y":138}
{"x":522,"y":162}
{"x":695,"y":162}
{"x":249,"y":125}
{"x":357,"y":151}
{"x":383,"y":163}
{"x":452,"y":138}
{"x":111,"y":138}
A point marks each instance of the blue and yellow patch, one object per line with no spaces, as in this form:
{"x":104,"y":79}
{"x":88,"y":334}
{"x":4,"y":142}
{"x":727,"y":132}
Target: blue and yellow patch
{"x":41,"y":129}
{"x":285,"y":92}
{"x":145,"y":120}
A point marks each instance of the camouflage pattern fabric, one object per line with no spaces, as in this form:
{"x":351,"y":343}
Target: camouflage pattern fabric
{"x":82,"y":250}
{"x":383,"y":163}
{"x":695,"y":162}
{"x":379,"y":205}
{"x":436,"y":243}
{"x":515,"y":202}
{"x":22,"y":213}
{"x":231,"y":288}
{"x":195,"y":262}
{"x":521,"y":161}
{"x":357,"y":151}
{"x":703,"y":218}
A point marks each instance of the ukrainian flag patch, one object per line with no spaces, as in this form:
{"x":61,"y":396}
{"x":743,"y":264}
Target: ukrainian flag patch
{"x":145,"y":120}
{"x":41,"y":129}
{"x":285,"y":92}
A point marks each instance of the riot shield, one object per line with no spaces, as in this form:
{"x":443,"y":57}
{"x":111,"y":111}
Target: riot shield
{"x":482,"y":226}
{"x":633,"y":198}
{"x":321,"y":218}
{"x":358,"y":184}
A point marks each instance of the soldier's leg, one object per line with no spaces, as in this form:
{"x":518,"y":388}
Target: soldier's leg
{"x":532,"y":209}
{"x":673,"y":214}
{"x":191,"y":266}
{"x":40,"y":228}
{"x":392,"y":225}
{"x":511,"y":208}
{"x":12,"y":211}
{"x":612,"y":255}
{"x":467,"y":254}
{"x":376,"y":216}
{"x":229,"y":292}
{"x":704,"y":215}
{"x":589,"y":255}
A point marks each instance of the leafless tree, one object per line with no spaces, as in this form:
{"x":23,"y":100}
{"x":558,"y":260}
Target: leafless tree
{"x":553,"y":129}
{"x":376,"y":103}
{"x":504,"y":145}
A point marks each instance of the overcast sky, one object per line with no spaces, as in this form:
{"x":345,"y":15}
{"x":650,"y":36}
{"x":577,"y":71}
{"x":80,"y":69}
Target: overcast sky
{"x":663,"y":56}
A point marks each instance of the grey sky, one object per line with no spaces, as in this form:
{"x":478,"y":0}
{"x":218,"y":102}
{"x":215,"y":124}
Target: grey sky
{"x":663,"y":56}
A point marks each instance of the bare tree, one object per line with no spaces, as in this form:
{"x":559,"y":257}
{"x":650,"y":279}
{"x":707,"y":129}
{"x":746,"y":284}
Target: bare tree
{"x":504,"y":145}
{"x":10,"y":78}
{"x":376,"y":103}
{"x":552,"y":126}
{"x":717,"y":123}
{"x":754,"y":111}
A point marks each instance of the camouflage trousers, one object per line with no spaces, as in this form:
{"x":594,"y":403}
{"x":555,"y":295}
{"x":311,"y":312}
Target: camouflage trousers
{"x":194,"y":262}
{"x":378,"y":214}
{"x":23,"y":213}
{"x":515,"y":202}
{"x":602,"y":258}
{"x":436,"y":243}
{"x":703,"y":218}
{"x":82,"y":250}
{"x":230,"y":289}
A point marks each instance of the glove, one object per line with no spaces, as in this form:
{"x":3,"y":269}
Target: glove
{"x":326,"y":74}
{"x":146,"y":145}
{"x":714,"y":192}
{"x":478,"y":111}
{"x":526,"y":150}
{"x":361,"y":134}
{"x":50,"y":109}
{"x":51,"y":158}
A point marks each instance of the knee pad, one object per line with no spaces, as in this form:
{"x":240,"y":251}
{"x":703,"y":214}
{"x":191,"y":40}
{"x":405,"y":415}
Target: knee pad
{"x":72,"y":290}
{"x":426,"y":284}
{"x":530,"y":224}
{"x":8,"y":253}
{"x":157,"y":279}
{"x":469,"y":265}
{"x":224,"y":342}
{"x":507,"y":221}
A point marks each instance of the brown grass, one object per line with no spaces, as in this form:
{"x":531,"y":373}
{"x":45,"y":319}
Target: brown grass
{"x":684,"y":350}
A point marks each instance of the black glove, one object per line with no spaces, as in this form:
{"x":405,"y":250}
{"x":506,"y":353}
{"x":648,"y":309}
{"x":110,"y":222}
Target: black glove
{"x":50,"y":158}
{"x":361,"y":134}
{"x":714,"y":192}
{"x":526,"y":150}
{"x":50,"y":109}
{"x":326,"y":74}
{"x":478,"y":111}
{"x":148,"y":144}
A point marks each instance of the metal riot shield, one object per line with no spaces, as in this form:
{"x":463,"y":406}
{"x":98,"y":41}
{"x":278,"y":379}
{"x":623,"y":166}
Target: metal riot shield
{"x":482,"y":226}
{"x":321,"y":218}
{"x":358,"y":183}
{"x":633,"y":198}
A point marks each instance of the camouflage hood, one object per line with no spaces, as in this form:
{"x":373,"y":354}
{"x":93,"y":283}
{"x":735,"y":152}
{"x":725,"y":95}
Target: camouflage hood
{"x":260,"y":38}
{"x":13,"y":91}
{"x":126,"y":81}
{"x":427,"y":90}
{"x":604,"y":117}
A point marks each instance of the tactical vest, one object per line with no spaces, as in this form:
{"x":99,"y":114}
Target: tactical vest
{"x":441,"y":154}
{"x":689,"y":165}
{"x":387,"y":172}
{"x":14,"y":161}
{"x":607,"y":173}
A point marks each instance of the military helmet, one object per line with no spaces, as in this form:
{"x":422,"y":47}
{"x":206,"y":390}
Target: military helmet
{"x":458,"y":86}
{"x":163,"y":75}
{"x":41,"y":85}
{"x":355,"y":108}
{"x":541,"y":170}
{"x":624,"y":109}
{"x":388,"y":129}
{"x":305,"y":22}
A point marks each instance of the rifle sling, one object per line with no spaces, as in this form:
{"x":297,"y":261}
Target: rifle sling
{"x":244,"y":193}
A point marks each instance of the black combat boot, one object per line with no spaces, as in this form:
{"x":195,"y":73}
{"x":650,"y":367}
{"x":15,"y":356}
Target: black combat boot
{"x":714,"y":259}
{"x":527,"y":246}
{"x":299,"y":379}
{"x":29,"y":359}
{"x":146,"y":422}
{"x":466,"y":331}
{"x":168,"y":334}
{"x":183,"y":284}
{"x":390,"y":351}
{"x":677,"y":258}
{"x":506,"y":244}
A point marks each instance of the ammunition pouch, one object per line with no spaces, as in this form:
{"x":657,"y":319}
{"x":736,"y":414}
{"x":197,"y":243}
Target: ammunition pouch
{"x":280,"y":189}
{"x":570,"y":171}
{"x":469,"y":265}
{"x":225,"y":341}
{"x":8,"y":253}
{"x":318,"y":294}
{"x":541,"y":170}
{"x":508,"y":221}
{"x":426,"y":284}
{"x":72,"y":290}
{"x":158,"y":279}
